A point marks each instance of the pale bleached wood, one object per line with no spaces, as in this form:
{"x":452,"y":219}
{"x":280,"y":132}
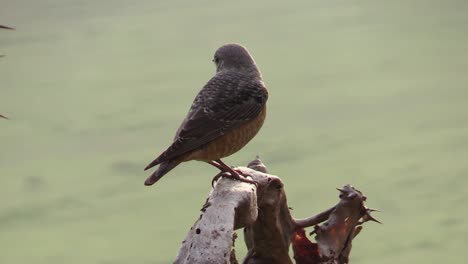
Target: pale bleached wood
{"x":231,"y":204}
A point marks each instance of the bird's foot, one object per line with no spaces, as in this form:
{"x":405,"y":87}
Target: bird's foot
{"x":240,"y":176}
{"x":227,"y":171}
{"x":237,"y":175}
{"x":217,"y":176}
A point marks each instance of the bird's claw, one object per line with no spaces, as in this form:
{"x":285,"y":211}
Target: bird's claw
{"x":243,"y":178}
{"x":236,"y":176}
{"x":216,"y":178}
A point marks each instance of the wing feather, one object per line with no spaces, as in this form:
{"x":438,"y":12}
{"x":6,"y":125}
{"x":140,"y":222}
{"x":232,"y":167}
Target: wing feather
{"x":221,"y":106}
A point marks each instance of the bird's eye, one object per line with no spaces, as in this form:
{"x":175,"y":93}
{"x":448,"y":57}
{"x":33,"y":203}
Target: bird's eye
{"x":216,"y":60}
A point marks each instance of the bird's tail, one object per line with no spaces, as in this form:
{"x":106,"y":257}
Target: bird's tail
{"x":163,"y":168}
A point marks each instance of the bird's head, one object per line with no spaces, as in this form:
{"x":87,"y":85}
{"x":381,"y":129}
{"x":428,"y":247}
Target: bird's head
{"x":235,"y":57}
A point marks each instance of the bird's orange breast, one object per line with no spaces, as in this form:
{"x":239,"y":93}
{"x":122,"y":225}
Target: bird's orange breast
{"x":229,"y":143}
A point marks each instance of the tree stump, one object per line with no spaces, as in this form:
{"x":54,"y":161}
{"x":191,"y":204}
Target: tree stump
{"x":269,"y":227}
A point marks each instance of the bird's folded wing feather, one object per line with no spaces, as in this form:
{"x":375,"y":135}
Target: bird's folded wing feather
{"x":209,"y":122}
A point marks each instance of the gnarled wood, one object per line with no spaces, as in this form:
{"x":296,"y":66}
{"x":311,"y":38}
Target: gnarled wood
{"x":269,"y":228}
{"x":231,"y":204}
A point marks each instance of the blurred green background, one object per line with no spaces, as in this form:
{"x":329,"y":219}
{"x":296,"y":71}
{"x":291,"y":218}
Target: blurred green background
{"x":372,"y":93}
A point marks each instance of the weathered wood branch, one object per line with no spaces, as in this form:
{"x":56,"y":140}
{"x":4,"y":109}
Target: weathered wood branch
{"x":3,"y":55}
{"x":230,"y":205}
{"x":5,"y":27}
{"x":334,"y":237}
{"x":269,"y":228}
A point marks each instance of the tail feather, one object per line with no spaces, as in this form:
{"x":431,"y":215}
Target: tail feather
{"x":153,"y":163}
{"x":164,"y":168}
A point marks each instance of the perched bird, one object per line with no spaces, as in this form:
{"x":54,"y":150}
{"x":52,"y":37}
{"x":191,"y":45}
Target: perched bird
{"x":225,"y":115}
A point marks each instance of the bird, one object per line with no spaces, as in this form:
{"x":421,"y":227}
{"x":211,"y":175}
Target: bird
{"x":225,"y":115}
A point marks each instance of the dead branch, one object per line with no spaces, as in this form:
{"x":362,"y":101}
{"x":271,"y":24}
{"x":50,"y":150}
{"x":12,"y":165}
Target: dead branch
{"x":3,"y":55}
{"x":334,"y":237}
{"x":5,"y":27}
{"x":269,"y":228}
{"x":230,"y":205}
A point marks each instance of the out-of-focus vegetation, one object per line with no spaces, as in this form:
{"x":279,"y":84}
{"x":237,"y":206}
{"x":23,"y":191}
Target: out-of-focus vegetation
{"x":372,"y":93}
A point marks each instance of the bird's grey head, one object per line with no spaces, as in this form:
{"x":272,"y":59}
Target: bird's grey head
{"x":235,"y":57}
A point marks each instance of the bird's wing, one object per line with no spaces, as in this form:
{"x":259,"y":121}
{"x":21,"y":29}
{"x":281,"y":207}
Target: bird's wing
{"x":222,"y":105}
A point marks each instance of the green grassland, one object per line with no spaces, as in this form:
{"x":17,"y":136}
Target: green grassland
{"x":372,"y":93}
